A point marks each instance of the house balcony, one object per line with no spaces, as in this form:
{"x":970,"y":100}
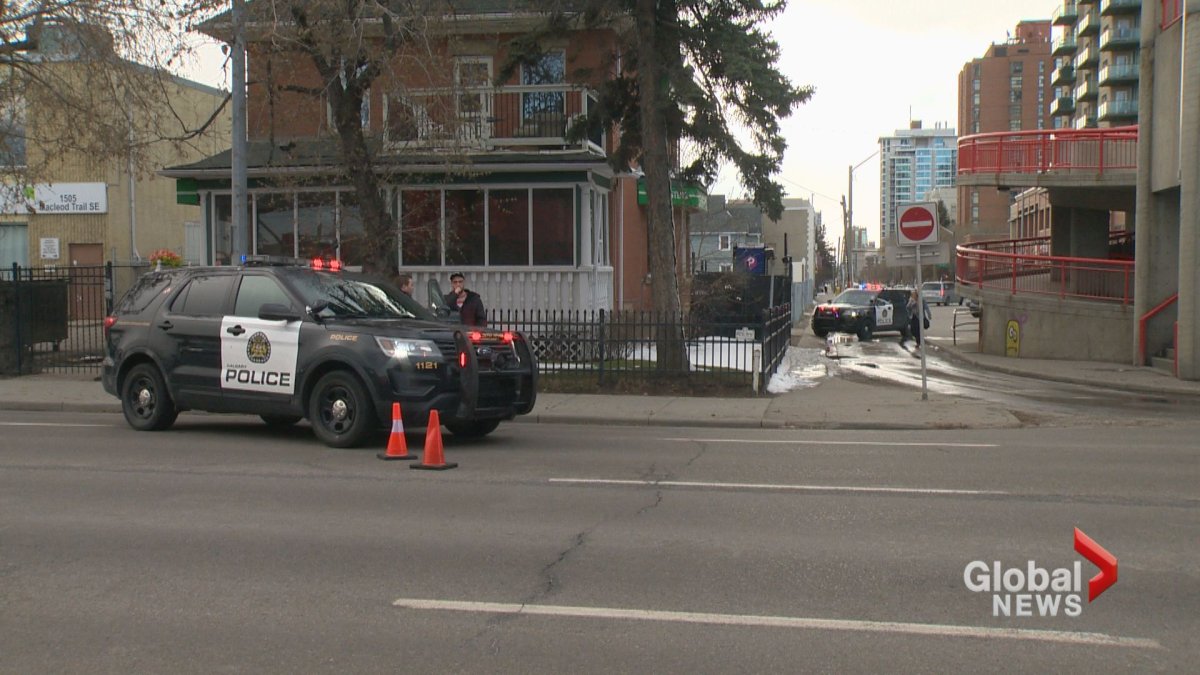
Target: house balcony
{"x":534,"y":117}
{"x":1085,"y":122}
{"x":1063,"y":75}
{"x":1087,"y":90}
{"x":1120,"y":39}
{"x":1114,"y":7}
{"x":1061,"y":106}
{"x":1088,"y":24}
{"x":1120,"y":112}
{"x":1065,"y":14}
{"x":1064,"y":45}
{"x":1087,"y":58}
{"x":1125,"y":73}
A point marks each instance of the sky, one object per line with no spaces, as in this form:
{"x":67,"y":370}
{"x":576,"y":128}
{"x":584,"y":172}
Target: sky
{"x":871,"y":62}
{"x":875,"y":64}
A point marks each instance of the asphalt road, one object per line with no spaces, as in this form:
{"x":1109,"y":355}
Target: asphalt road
{"x":221,"y":546}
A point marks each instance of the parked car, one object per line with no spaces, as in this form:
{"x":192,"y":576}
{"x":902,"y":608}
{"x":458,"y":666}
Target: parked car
{"x":863,"y":313}
{"x":940,"y":292}
{"x":286,"y":340}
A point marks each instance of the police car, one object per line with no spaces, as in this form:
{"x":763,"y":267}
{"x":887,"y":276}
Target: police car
{"x":287,"y":339}
{"x":863,"y":312}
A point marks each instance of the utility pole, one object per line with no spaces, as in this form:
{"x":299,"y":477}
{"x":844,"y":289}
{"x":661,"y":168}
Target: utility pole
{"x":845,"y":248}
{"x":240,"y":234}
{"x":849,"y":208}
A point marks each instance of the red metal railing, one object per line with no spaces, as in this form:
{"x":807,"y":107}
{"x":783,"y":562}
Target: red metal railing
{"x":1172,"y":10}
{"x":1145,"y":320}
{"x":1042,"y":151}
{"x":1028,"y":270}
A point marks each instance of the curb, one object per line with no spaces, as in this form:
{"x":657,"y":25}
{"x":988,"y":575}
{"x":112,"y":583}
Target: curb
{"x":1167,"y":390}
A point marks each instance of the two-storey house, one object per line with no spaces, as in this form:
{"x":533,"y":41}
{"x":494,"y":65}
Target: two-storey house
{"x":477,"y":170}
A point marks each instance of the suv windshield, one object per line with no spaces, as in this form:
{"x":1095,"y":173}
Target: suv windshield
{"x":854,"y":296}
{"x":333,"y":295}
{"x":932,"y":286}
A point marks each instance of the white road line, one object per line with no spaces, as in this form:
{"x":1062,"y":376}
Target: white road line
{"x":936,"y":630}
{"x":49,"y":424}
{"x":774,"y":486}
{"x":899,"y":444}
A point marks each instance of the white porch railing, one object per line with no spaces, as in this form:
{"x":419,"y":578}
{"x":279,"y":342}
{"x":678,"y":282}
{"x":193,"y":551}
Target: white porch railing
{"x":551,"y":288}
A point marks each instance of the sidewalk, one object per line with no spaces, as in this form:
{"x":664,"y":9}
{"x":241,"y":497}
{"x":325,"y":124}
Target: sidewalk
{"x":832,"y":403}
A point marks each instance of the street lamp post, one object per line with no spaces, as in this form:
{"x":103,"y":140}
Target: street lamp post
{"x":849,"y":207}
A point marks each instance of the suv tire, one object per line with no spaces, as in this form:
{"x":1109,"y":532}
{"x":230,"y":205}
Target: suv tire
{"x":341,"y":413}
{"x":865,"y":331}
{"x":145,"y":401}
{"x":472,"y":428}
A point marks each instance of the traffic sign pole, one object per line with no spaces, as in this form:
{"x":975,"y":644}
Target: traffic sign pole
{"x":921,"y":327}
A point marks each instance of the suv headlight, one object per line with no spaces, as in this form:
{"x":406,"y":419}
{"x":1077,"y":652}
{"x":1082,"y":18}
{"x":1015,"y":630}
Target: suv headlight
{"x":399,"y":348}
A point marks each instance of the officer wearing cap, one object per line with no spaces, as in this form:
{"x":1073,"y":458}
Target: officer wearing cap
{"x":466,"y":302}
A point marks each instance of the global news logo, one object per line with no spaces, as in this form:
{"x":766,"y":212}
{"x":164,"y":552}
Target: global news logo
{"x":1033,"y":590}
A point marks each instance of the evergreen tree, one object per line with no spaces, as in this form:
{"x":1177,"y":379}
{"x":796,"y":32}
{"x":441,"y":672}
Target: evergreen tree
{"x":699,"y":72}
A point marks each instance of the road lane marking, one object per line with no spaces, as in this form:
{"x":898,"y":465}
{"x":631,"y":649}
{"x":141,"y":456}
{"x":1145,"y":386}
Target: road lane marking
{"x":811,"y":442}
{"x":774,"y":486}
{"x":49,"y":424}
{"x":935,"y":630}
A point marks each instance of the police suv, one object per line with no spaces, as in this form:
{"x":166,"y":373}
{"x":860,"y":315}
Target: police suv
{"x":288,"y":339}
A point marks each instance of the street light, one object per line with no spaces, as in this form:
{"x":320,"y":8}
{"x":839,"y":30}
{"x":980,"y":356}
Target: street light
{"x":848,"y":208}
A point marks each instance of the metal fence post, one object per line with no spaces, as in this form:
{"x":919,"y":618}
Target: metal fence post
{"x":16,"y":272}
{"x":600,"y":351}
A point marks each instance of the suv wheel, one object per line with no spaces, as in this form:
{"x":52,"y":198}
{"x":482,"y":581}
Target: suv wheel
{"x":145,"y":401}
{"x":473,"y":428}
{"x":865,"y":331}
{"x":340,"y":411}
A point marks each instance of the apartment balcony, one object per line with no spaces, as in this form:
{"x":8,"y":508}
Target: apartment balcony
{"x":1087,"y":58}
{"x":1114,"y":7}
{"x":1118,"y":112}
{"x":1062,"y":106}
{"x":1125,"y":73}
{"x":1085,"y":122}
{"x":1087,"y":90}
{"x":1065,"y":14}
{"x":1062,"y":75}
{"x":487,"y":118}
{"x":1064,"y":45}
{"x":1088,"y":24}
{"x":1120,"y":39}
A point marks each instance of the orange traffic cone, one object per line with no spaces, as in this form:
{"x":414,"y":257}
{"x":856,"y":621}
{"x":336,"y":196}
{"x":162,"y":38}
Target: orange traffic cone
{"x":397,"y":445}
{"x":433,"y":458}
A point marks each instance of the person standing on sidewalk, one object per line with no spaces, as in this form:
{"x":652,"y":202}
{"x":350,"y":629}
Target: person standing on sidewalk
{"x":466,"y":302}
{"x":917,"y":317}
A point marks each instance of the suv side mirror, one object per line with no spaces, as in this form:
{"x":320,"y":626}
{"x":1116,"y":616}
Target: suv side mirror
{"x":275,"y":312}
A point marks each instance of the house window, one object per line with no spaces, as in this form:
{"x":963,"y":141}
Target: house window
{"x":12,"y":134}
{"x":474,"y":78}
{"x":724,"y":242}
{"x":549,"y":69}
{"x":420,"y":227}
{"x":464,"y":227}
{"x":14,"y":245}
{"x":726,"y":267}
{"x":554,"y":231}
{"x":508,"y":227}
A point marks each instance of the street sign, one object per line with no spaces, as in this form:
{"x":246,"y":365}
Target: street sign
{"x":917,"y":224}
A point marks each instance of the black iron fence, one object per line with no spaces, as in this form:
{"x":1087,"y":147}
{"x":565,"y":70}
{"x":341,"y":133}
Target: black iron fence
{"x":610,"y":346}
{"x":52,"y":318}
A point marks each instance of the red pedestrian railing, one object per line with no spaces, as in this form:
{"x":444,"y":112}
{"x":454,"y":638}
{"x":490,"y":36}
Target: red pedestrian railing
{"x":1049,"y":151}
{"x":1143,"y":357}
{"x":1022,"y":266}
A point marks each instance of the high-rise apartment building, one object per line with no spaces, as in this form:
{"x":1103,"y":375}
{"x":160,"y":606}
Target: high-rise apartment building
{"x":1096,"y":63}
{"x":912,"y":163}
{"x":1008,"y":89}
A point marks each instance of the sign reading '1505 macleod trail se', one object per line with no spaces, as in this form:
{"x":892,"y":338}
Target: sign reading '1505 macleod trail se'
{"x":259,"y":355}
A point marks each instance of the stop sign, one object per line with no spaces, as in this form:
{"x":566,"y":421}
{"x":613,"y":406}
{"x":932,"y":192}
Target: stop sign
{"x":917,"y":225}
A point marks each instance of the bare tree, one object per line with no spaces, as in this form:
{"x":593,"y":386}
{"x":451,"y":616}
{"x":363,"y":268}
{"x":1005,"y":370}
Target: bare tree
{"x":91,"y":78}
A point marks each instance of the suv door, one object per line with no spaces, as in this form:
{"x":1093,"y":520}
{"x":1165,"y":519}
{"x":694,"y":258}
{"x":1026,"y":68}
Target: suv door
{"x":190,"y":325}
{"x":258,"y":356}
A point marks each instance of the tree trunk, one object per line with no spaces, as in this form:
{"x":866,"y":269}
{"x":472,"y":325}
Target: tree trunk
{"x":379,"y":228}
{"x":656,"y":163}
